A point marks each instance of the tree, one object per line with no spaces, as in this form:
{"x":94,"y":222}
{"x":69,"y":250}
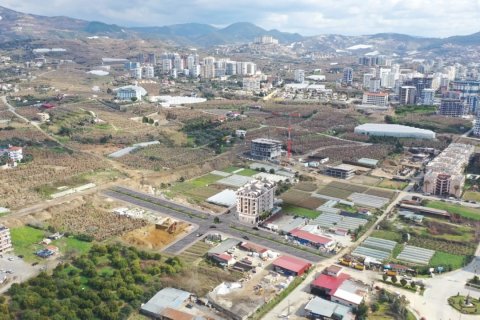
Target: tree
{"x":362,"y":311}
{"x":413,"y":284}
{"x":394,"y":279}
{"x":384,"y":277}
{"x":216,"y":220}
{"x":375,"y":307}
{"x":134,"y":99}
{"x":272,"y":171}
{"x":403,"y":282}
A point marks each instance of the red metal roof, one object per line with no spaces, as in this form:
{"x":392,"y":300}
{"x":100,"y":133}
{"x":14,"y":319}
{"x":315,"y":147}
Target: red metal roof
{"x":331,"y":283}
{"x":224,"y":256}
{"x":310,"y":236}
{"x":292,"y":264}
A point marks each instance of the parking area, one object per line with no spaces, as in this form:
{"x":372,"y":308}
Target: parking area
{"x":16,"y":270}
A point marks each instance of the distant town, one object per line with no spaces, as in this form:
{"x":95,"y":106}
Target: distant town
{"x":278,"y":177}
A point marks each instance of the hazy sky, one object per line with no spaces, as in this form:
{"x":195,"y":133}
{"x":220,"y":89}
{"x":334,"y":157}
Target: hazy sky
{"x":309,"y":17}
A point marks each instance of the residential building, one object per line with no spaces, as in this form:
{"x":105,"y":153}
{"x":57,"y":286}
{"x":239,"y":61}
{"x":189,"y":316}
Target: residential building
{"x":166,"y":65}
{"x":265,"y":40}
{"x":265,"y":149}
{"x":427,"y":97}
{"x":148,"y":72}
{"x":469,"y":92}
{"x":246,"y":68}
{"x":251,"y":84}
{"x":452,"y":108}
{"x":136,"y":73}
{"x":375,"y":85}
{"x":152,"y":59}
{"x":15,"y":153}
{"x":299,"y":76}
{"x":375,"y":98}
{"x":254,"y":199}
{"x":366,"y":80}
{"x":393,"y":130}
{"x":5,"y":240}
{"x":129,"y":92}
{"x":343,"y":171}
{"x":347,"y":76}
{"x":476,"y":127}
{"x":407,"y":95}
{"x":444,"y":174}
{"x":231,"y":68}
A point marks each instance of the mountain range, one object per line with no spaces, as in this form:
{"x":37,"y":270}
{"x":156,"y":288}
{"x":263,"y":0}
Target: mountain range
{"x":16,"y":26}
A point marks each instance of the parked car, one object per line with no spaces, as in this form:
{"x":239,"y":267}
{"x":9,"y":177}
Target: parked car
{"x":246,"y":238}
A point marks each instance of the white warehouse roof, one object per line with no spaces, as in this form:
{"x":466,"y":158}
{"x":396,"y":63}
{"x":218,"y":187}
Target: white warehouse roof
{"x":394,"y":130}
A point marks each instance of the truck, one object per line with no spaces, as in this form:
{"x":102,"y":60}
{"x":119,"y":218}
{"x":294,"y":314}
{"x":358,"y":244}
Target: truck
{"x":359,"y":266}
{"x":345,"y":262}
{"x":391,"y":273}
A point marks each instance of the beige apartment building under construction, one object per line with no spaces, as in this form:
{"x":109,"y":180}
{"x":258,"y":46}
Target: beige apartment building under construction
{"x":444,"y":175}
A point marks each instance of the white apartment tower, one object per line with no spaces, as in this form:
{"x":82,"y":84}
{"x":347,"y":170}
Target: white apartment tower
{"x":5,"y":241}
{"x":253,"y":200}
{"x":299,"y":76}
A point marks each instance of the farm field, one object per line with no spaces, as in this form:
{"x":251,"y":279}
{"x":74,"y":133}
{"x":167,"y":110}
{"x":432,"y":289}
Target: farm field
{"x":391,"y":184}
{"x":298,"y":211}
{"x":198,"y":189}
{"x":195,"y":253}
{"x":466,"y":212}
{"x":91,"y":216}
{"x":306,"y":186}
{"x":301,"y":199}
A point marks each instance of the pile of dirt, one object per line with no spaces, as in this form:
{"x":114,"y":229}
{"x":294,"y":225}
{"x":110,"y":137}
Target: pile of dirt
{"x":150,"y":237}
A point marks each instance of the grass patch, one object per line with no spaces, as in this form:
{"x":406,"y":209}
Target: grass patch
{"x":471,"y":196}
{"x":231,"y":169}
{"x":444,"y":259}
{"x":205,"y":180}
{"x":298,"y":211}
{"x":458,"y":303}
{"x":397,"y":250}
{"x":71,"y":245}
{"x":413,"y":109}
{"x":25,"y":242}
{"x":394,"y":185}
{"x":387,"y":235}
{"x":466,"y":212}
{"x":247,"y":172}
{"x":306,"y":186}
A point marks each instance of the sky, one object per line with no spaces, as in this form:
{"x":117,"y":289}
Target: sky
{"x":437,"y":18}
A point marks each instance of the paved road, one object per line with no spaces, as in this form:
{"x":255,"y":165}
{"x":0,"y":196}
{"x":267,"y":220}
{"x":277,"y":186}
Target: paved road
{"x":203,"y":223}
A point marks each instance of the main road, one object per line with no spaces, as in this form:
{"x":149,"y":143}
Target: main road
{"x":204,"y":223}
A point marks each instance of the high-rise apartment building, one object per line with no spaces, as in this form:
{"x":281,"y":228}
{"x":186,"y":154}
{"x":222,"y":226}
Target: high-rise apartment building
{"x":254,"y":199}
{"x":5,"y":240}
{"x":427,"y":97}
{"x":407,"y":95}
{"x":299,"y":76}
{"x":444,"y":174}
{"x":452,"y":108}
{"x":347,"y":76}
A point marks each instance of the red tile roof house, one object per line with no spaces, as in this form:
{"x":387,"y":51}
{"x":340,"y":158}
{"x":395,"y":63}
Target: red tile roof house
{"x":291,"y":266}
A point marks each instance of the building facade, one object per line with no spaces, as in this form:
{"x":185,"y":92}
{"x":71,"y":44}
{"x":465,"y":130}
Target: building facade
{"x":407,"y":95}
{"x":254,"y":199}
{"x":452,"y":108}
{"x":5,"y":240}
{"x":347,"y":76}
{"x":299,"y":76}
{"x":375,"y":99}
{"x":265,"y":149}
{"x":251,"y":84}
{"x":444,"y":174}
